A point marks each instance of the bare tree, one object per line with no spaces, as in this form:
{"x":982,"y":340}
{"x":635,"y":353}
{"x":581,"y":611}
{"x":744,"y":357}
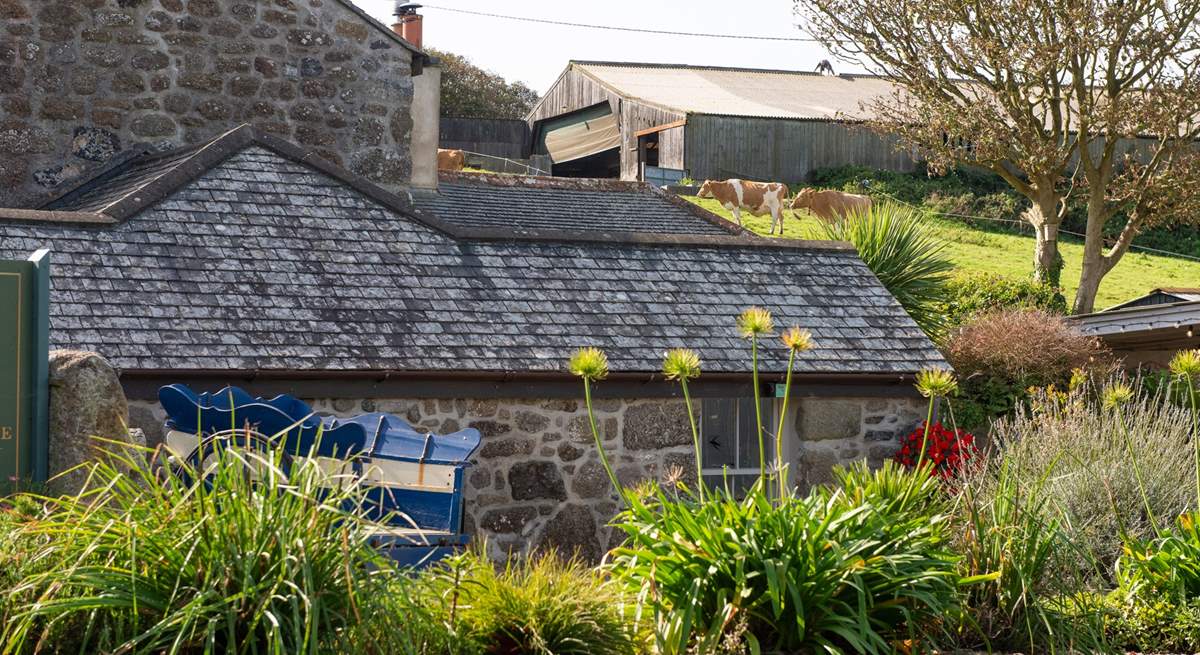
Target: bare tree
{"x":1095,"y":99}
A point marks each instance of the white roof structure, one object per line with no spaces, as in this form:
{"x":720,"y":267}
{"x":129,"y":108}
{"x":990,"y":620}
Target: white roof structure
{"x":741,"y":91}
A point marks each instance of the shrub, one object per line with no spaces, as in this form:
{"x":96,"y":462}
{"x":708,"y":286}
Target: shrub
{"x":1031,"y":346}
{"x":968,"y":295}
{"x":266,"y":563}
{"x":895,"y":245}
{"x":1152,"y":625}
{"x":538,"y":606}
{"x":1074,"y":450}
{"x":857,"y":566}
{"x":948,"y":451}
{"x":1007,"y":532}
{"x":1165,"y":567}
{"x":1001,"y":354}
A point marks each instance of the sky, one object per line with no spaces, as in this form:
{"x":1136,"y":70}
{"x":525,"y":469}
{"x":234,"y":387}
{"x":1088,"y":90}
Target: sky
{"x":537,"y":53}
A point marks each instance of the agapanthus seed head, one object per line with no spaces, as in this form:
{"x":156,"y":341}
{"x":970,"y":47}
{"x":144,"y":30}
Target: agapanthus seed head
{"x":673,"y":477}
{"x":1186,"y":364}
{"x":1117,"y":394}
{"x":936,"y":383}
{"x":589,"y":363}
{"x":755,"y":322}
{"x":797,"y":339}
{"x":681,"y":364}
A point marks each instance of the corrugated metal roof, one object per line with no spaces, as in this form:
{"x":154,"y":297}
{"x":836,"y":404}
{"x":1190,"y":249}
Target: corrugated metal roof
{"x":742,"y":91}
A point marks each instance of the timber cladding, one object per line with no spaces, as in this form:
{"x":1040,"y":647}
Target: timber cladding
{"x":498,"y":137}
{"x":730,"y":123}
{"x":779,"y":150}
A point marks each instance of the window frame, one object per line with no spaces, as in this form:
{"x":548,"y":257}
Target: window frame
{"x":770,"y":418}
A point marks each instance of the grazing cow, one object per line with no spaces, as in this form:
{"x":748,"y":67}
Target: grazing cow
{"x":758,"y":198}
{"x":829,"y":206}
{"x":451,"y":160}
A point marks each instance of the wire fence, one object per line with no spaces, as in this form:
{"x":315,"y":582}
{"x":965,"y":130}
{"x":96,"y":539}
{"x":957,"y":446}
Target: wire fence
{"x":968,"y":217}
{"x":1023,"y":224}
{"x":521,"y":164}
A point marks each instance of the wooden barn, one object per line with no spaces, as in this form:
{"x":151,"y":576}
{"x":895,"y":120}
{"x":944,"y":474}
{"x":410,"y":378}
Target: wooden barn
{"x":659,"y":122}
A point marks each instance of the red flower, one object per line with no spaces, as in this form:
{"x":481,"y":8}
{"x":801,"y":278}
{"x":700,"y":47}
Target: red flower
{"x":947,"y":450}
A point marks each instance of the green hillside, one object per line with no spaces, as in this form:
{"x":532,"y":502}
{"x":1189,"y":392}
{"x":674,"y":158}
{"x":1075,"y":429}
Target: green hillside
{"x":974,"y":249}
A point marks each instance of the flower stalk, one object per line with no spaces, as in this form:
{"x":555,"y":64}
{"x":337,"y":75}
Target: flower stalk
{"x":683,"y":364}
{"x":1115,"y":396}
{"x":796,"y":340}
{"x":753,"y":323}
{"x":1186,"y":365}
{"x":933,"y":383}
{"x":591,"y":365}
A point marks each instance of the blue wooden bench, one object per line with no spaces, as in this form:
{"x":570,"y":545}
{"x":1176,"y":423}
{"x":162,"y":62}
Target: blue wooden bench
{"x":413,"y":480}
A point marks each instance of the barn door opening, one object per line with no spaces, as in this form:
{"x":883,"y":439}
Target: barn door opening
{"x":583,"y":143}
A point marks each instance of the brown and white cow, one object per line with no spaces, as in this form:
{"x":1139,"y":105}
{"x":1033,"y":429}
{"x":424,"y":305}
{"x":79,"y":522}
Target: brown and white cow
{"x":830,"y":206}
{"x":758,"y":198}
{"x":451,"y":160}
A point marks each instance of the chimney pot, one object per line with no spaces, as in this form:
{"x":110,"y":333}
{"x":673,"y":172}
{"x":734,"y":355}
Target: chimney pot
{"x":408,"y":24}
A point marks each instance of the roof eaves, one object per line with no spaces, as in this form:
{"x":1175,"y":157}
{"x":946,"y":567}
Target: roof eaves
{"x":1118,"y":312}
{"x":802,"y":119}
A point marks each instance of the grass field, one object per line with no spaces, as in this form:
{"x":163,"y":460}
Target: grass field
{"x":973,"y":249}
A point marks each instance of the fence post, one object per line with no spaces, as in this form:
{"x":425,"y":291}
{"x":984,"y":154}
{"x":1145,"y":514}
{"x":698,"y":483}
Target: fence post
{"x":41,"y":363}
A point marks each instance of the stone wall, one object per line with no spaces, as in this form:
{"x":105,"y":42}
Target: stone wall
{"x":83,"y":79}
{"x":834,"y":431}
{"x":537,"y":480}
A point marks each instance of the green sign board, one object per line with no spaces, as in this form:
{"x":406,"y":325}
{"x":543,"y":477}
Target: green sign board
{"x":24,"y":336}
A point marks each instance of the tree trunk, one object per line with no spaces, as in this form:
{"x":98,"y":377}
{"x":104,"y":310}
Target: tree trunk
{"x":1095,"y":265}
{"x":1043,"y":215}
{"x":1089,"y":286}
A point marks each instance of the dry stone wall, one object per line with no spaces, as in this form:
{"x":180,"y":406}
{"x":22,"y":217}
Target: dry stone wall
{"x":537,"y":482}
{"x":80,"y":80}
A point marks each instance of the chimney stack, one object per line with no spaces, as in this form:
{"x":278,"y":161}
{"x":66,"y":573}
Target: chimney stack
{"x":408,"y":22}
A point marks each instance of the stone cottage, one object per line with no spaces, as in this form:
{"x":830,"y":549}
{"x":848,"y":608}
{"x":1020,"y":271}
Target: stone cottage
{"x":81,"y":80}
{"x":253,"y":261}
{"x":229,"y":189}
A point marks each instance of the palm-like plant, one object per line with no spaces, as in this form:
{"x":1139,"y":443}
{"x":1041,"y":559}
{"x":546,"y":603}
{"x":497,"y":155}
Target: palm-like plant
{"x":894,"y":244}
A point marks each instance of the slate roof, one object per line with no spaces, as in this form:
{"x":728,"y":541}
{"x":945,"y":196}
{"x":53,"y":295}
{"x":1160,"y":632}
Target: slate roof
{"x":740,"y":91}
{"x":269,"y":259}
{"x":522,"y":204}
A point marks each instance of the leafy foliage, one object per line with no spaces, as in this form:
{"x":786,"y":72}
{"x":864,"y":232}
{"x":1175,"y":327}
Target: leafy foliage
{"x":1167,"y":566}
{"x":1074,"y":452}
{"x":898,"y":249}
{"x":1007,"y":532}
{"x":1001,"y":355}
{"x":970,"y":295}
{"x":268,"y":562}
{"x":469,"y":91}
{"x":1153,"y":625}
{"x":538,"y":606}
{"x":856,"y":566}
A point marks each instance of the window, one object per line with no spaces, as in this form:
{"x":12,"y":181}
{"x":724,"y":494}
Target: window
{"x":729,"y":440}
